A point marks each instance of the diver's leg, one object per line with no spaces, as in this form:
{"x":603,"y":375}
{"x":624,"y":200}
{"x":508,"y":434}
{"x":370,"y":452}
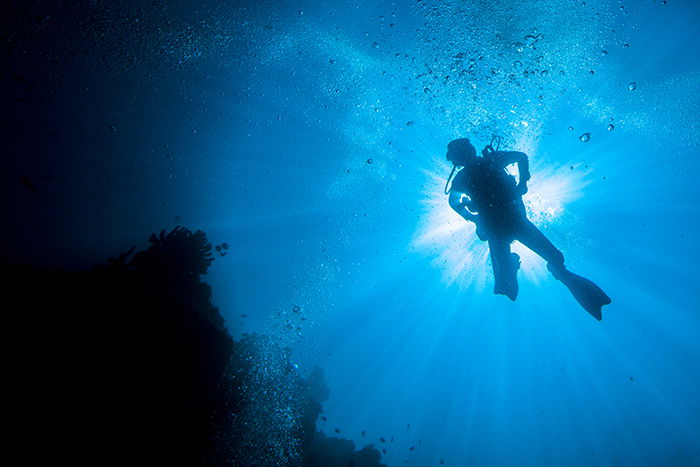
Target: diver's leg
{"x":534,"y":239}
{"x":587,"y":294}
{"x":498,"y":250}
{"x":505,"y":266}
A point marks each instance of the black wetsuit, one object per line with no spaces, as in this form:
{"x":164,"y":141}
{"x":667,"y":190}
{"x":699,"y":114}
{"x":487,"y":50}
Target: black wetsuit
{"x":494,"y":195}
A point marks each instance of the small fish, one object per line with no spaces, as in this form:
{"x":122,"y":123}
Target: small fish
{"x":408,"y":427}
{"x":383,"y":450}
{"x":411,"y":448}
{"x":28,"y":184}
{"x":363,"y":432}
{"x":224,"y":246}
{"x":337,"y":430}
{"x":382,"y":440}
{"x":324,"y":418}
{"x":244,"y":316}
{"x":28,"y":85}
{"x":442,"y":461}
{"x":19,"y":78}
{"x":217,"y":248}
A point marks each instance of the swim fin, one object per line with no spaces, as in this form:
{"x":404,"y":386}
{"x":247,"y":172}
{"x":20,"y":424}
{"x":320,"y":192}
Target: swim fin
{"x":506,"y":281}
{"x":587,"y":294}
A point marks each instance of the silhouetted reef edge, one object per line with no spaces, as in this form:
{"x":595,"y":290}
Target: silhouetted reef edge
{"x":129,"y":363}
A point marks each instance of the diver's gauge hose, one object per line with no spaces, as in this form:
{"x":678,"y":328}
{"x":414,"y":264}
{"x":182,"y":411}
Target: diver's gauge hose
{"x":447,"y":184}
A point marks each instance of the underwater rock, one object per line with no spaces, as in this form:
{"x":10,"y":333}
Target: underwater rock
{"x":336,"y":452}
{"x":271,"y":413}
{"x":123,"y":360}
{"x":131,"y":360}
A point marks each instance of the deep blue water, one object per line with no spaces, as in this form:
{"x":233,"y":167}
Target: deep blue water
{"x":311,"y":137}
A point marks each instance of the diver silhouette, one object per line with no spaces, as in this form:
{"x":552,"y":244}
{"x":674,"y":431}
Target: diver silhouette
{"x":484,"y":193}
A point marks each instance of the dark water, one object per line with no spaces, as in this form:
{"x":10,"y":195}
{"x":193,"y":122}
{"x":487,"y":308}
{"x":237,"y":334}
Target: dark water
{"x":310,"y":136}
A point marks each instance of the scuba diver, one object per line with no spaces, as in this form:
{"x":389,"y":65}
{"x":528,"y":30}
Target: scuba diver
{"x":484,"y":193}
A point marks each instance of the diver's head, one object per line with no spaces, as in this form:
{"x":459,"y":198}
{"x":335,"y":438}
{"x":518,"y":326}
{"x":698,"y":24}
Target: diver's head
{"x":460,"y":151}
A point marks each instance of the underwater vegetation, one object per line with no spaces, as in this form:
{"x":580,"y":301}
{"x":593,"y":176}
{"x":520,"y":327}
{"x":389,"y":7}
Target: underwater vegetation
{"x":130,"y":363}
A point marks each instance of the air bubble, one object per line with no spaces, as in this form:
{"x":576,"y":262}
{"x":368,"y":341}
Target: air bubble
{"x":586,"y":137}
{"x":611,"y":127}
{"x":369,"y":161}
{"x":633,"y":86}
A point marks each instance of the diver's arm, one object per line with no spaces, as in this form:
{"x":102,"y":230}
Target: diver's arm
{"x":523,"y":172}
{"x":520,"y":158}
{"x":456,"y":203}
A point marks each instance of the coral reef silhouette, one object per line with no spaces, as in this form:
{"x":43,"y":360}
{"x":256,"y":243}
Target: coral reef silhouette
{"x":122,"y":361}
{"x":130,"y":363}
